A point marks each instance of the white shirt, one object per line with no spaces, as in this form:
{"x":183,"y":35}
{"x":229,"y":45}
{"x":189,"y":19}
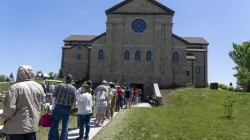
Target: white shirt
{"x":84,"y":104}
{"x":52,"y":88}
{"x":78,"y":93}
{"x":113,"y":92}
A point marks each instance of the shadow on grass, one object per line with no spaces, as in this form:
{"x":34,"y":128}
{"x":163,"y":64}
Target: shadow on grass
{"x":227,"y":118}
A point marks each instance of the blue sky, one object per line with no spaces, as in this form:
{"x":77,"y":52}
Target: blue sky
{"x":32,"y":31}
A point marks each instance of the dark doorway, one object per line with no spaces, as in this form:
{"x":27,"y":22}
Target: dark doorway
{"x":139,"y":86}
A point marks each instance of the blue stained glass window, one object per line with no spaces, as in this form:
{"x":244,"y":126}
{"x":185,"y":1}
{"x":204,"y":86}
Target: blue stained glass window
{"x":101,"y":54}
{"x":198,"y":70}
{"x":126,"y":55}
{"x":78,"y":57}
{"x":137,"y":55}
{"x":139,"y":25}
{"x":148,"y":56}
{"x":175,"y":56}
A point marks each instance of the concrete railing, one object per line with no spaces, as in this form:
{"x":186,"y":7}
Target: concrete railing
{"x":157,"y":93}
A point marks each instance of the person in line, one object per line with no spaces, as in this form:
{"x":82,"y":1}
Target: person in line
{"x":101,"y":105}
{"x":119,"y":99}
{"x":123,"y":97}
{"x":132,"y":98}
{"x":110,"y":96}
{"x":114,"y":93}
{"x":52,"y":88}
{"x":52,"y":100}
{"x":64,"y":99}
{"x":97,"y":90}
{"x":91,"y":91}
{"x":22,"y":106}
{"x":84,"y":112}
{"x":140,"y":96}
{"x":78,"y":93}
{"x":136,"y":94}
{"x":128,"y":98}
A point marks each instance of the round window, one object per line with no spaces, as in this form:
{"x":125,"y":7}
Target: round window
{"x":139,"y":25}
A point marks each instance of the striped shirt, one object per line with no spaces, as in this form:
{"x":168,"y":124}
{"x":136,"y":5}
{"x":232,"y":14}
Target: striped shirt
{"x":65,"y":94}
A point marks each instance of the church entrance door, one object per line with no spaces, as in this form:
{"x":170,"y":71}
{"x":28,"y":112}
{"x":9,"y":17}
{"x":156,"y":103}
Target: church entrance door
{"x":138,"y":86}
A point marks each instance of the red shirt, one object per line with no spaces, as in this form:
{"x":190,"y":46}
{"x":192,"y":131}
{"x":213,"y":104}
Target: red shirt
{"x":136,"y":93}
{"x":119,"y":92}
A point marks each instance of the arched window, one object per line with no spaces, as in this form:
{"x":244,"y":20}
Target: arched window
{"x":126,"y":55}
{"x":148,"y":56}
{"x":78,"y":57}
{"x":137,"y":55}
{"x":100,"y":54}
{"x":198,"y":70}
{"x":175,"y":56}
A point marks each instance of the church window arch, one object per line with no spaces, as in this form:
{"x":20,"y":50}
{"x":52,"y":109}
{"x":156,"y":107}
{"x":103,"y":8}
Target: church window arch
{"x":100,"y":54}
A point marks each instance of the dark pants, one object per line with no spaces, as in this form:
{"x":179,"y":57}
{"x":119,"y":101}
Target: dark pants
{"x":28,"y":136}
{"x":59,"y":113}
{"x":118,"y":103}
{"x":84,"y":121}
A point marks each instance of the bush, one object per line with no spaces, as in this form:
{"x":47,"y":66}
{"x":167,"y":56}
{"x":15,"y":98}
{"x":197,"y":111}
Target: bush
{"x":225,"y":87}
{"x":231,"y":88}
{"x":228,"y":106}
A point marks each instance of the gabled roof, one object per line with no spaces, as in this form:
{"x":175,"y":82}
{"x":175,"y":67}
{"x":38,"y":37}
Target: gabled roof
{"x":110,"y":10}
{"x":80,"y":38}
{"x":195,"y":40}
{"x":192,"y":40}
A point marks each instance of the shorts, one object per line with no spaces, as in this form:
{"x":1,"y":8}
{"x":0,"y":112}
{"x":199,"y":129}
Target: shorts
{"x":101,"y":110}
{"x":127,"y":100}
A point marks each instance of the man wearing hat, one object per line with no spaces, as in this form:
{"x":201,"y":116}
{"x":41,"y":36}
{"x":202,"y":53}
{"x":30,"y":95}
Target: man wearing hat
{"x":64,"y":99}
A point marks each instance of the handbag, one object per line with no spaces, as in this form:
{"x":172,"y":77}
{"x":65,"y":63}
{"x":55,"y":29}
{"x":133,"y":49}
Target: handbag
{"x":46,"y":120}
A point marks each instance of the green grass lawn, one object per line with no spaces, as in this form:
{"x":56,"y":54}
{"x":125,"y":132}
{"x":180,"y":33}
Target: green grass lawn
{"x":4,"y":87}
{"x":194,"y":114}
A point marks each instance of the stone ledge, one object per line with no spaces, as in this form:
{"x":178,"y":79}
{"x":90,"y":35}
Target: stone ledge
{"x":157,"y":93}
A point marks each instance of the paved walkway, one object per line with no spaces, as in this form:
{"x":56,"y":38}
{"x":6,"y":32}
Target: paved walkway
{"x":93,"y":129}
{"x":142,"y":105}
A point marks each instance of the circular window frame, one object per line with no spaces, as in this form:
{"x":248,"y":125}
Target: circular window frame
{"x":142,"y":28}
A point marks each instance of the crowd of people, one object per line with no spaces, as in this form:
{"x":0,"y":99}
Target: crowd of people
{"x":107,"y":98}
{"x":23,"y":103}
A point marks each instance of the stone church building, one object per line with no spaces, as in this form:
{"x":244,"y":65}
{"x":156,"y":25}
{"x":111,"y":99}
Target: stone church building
{"x":137,"y":49}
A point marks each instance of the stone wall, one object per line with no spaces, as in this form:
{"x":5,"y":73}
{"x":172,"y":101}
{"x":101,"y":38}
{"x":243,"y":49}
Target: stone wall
{"x":201,"y":78}
{"x":78,"y":68}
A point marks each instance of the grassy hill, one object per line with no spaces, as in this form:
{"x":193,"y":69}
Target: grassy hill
{"x":194,"y":114}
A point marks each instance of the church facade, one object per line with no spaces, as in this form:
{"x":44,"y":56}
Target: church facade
{"x":138,"y":49}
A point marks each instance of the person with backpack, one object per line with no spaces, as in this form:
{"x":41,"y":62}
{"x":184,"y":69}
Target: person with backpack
{"x":128,"y":97}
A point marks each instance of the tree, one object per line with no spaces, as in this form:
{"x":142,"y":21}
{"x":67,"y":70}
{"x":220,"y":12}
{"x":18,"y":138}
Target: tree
{"x":241,"y":57}
{"x":61,"y":73}
{"x":241,"y":54}
{"x":51,"y":74}
{"x":2,"y":78}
